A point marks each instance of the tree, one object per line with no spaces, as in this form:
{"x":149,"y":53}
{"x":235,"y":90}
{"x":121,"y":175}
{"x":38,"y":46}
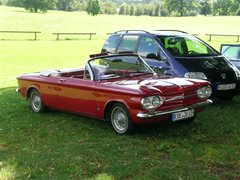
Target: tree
{"x":182,"y":7}
{"x":65,"y":5}
{"x":108,"y":8}
{"x":139,"y":10}
{"x":42,"y":5}
{"x":226,"y":7}
{"x":93,"y":7}
{"x":132,"y":10}
{"x":206,"y":7}
{"x":157,"y":10}
{"x":16,"y":3}
{"x":122,"y":9}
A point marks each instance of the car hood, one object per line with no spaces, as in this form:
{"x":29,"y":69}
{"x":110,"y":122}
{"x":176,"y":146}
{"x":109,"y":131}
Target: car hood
{"x":154,"y":85}
{"x":212,"y":67}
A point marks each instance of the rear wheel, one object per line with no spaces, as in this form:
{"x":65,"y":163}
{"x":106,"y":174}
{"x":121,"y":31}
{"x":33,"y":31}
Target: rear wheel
{"x":36,"y":102}
{"x":120,"y":119}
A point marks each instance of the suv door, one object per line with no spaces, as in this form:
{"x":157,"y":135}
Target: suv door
{"x":153,"y":55}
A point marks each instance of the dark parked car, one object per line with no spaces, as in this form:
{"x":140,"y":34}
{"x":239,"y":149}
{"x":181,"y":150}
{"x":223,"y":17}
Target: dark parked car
{"x":232,"y":52}
{"x":179,"y":54}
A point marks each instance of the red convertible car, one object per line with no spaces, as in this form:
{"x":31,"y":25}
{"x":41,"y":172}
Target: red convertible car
{"x":121,"y":89}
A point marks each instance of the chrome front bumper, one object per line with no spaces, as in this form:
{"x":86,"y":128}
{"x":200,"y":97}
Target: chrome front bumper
{"x":159,"y":113}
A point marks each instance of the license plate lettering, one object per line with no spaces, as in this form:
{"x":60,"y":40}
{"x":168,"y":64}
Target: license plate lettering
{"x":182,"y":115}
{"x":223,"y":87}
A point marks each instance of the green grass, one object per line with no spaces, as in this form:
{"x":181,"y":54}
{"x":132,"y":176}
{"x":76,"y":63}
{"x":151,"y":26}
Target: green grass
{"x":60,"y":145}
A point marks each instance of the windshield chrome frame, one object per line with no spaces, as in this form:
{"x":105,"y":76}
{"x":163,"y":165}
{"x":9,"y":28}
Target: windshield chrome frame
{"x":90,"y":69}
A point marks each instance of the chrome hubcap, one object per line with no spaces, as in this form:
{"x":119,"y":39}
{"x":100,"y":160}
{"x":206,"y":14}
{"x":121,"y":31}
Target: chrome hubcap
{"x":119,"y":119}
{"x":36,"y":102}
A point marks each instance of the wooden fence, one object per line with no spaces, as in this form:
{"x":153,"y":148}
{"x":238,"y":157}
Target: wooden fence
{"x":226,"y":35}
{"x":90,"y":34}
{"x":25,"y":32}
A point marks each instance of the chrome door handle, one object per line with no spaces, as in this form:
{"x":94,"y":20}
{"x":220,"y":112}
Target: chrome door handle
{"x":62,"y":80}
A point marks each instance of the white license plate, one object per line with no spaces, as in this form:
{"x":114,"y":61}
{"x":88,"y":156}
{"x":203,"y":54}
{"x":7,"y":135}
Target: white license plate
{"x":182,"y":115}
{"x":223,"y":87}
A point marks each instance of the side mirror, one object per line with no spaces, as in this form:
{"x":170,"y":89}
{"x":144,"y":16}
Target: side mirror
{"x":151,"y":56}
{"x":159,"y":70}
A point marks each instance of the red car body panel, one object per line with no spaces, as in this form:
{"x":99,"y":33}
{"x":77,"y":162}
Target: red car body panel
{"x":70,"y":92}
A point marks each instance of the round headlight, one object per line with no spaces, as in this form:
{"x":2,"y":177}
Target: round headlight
{"x":155,"y":101}
{"x":200,"y":93}
{"x":146,"y":103}
{"x":152,"y":102}
{"x":204,"y":92}
{"x":208,"y":91}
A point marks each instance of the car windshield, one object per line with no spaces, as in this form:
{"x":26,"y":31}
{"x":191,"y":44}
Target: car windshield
{"x":118,"y":66}
{"x":186,"y":46}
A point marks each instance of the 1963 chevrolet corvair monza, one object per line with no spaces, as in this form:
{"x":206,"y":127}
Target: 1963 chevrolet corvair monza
{"x":122,"y":89}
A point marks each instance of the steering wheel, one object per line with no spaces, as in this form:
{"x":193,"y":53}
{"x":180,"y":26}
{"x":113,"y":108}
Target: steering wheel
{"x":130,"y":68}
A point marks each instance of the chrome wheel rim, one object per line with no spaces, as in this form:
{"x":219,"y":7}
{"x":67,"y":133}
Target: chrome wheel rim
{"x":119,"y":119}
{"x":36,"y":102}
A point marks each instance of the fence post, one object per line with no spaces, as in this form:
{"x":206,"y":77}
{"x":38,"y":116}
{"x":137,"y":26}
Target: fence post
{"x":210,"y":37}
{"x":35,"y":35}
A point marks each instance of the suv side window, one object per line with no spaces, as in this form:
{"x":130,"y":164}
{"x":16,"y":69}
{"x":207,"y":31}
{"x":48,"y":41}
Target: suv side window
{"x":148,"y":48}
{"x":110,"y":45}
{"x":128,"y":43}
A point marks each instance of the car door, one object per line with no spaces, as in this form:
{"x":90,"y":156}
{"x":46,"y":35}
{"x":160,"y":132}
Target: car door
{"x":153,"y":55}
{"x":49,"y":90}
{"x":77,"y":95}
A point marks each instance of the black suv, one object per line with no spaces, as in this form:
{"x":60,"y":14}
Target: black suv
{"x":179,"y":54}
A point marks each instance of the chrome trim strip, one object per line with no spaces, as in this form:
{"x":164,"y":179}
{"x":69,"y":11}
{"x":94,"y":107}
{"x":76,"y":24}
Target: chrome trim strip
{"x":180,"y":97}
{"x":159,"y":113}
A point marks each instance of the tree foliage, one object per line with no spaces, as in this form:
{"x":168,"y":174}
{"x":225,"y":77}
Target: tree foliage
{"x":206,"y":7}
{"x":39,"y":5}
{"x":134,"y":7}
{"x":182,"y":7}
{"x":93,"y":7}
{"x":108,"y":8}
{"x":16,"y":3}
{"x":226,"y":7}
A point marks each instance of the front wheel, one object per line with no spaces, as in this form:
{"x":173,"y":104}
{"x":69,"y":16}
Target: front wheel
{"x":120,"y":119}
{"x":36,"y":102}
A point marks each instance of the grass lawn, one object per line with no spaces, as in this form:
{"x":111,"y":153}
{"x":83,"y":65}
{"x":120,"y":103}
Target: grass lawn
{"x":60,"y":145}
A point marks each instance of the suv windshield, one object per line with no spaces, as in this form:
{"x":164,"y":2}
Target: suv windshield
{"x":186,"y":46}
{"x":118,"y":66}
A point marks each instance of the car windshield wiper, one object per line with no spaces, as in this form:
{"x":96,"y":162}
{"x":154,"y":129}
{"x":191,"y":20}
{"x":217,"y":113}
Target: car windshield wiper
{"x":109,"y":76}
{"x":137,"y":73}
